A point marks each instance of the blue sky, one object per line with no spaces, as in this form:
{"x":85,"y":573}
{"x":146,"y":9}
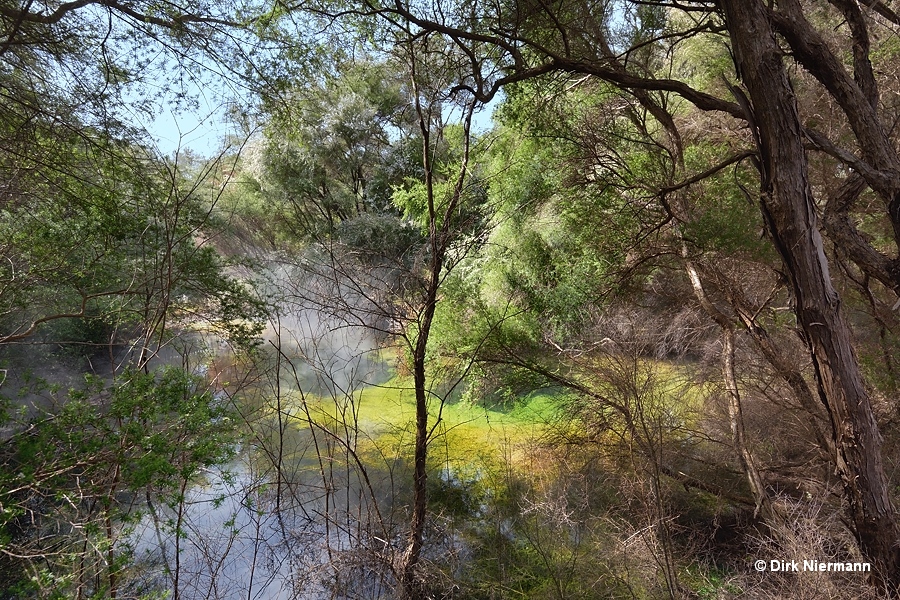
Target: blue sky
{"x":202,"y":124}
{"x":182,"y":109}
{"x":201,"y":131}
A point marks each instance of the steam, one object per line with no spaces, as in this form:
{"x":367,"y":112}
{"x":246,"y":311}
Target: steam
{"x":252,"y":531}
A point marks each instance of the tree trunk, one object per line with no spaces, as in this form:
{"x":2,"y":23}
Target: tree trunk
{"x":764,"y":504}
{"x":409,"y":579}
{"x":789,"y":210}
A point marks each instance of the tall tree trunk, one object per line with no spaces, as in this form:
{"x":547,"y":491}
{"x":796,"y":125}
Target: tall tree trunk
{"x":439,"y":236}
{"x":789,"y":210}
{"x":409,"y":580}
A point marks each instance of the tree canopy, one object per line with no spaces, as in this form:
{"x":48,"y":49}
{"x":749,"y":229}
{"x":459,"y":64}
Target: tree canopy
{"x":682,"y":224}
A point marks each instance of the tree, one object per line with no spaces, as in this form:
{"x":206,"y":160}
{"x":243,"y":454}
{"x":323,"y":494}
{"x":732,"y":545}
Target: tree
{"x":621,"y":44}
{"x":399,"y":160}
{"x":107,"y":249}
{"x":789,"y":207}
{"x":75,"y":480}
{"x":328,"y":155}
{"x":78,"y":170}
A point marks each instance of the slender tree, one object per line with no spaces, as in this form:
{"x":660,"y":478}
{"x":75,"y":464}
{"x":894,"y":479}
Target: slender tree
{"x":504,"y":44}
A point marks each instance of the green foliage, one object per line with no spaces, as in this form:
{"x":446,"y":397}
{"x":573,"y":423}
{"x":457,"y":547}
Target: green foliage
{"x":76,"y":471}
{"x":537,"y":533}
{"x":475,"y":319}
{"x":524,"y":173}
{"x":103,"y":244}
{"x":469,"y":221}
{"x":381,"y":238}
{"x":723,"y":218}
{"x":334,"y":150}
{"x":709,"y":583}
{"x":574,"y":199}
{"x":703,"y":60}
{"x":119,"y":248}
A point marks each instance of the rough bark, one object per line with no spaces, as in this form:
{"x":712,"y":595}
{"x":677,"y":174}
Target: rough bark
{"x":410,"y":585}
{"x":789,"y":209}
{"x":409,"y":580}
{"x":850,"y":242}
{"x":788,"y":373}
{"x":857,"y":96}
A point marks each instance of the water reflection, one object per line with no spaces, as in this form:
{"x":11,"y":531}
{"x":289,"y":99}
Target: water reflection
{"x":309,"y":509}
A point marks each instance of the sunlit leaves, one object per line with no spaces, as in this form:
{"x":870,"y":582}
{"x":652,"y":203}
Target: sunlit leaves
{"x":70,"y":478}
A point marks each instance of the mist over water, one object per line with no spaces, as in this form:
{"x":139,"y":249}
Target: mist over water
{"x":326,"y":357}
{"x":293,"y":515}
{"x":298,"y":529}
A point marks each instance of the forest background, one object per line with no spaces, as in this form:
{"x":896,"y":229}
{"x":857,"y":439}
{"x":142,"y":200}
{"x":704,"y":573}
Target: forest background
{"x":634,"y":335}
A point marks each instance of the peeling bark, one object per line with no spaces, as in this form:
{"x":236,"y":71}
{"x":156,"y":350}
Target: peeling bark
{"x":789,"y":209}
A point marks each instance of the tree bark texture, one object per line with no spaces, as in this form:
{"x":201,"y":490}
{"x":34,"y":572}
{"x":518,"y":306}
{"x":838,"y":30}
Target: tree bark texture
{"x":789,"y":210}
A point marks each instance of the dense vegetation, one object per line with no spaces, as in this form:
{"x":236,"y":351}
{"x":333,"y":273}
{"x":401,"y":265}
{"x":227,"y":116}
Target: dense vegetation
{"x":538,"y":300}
